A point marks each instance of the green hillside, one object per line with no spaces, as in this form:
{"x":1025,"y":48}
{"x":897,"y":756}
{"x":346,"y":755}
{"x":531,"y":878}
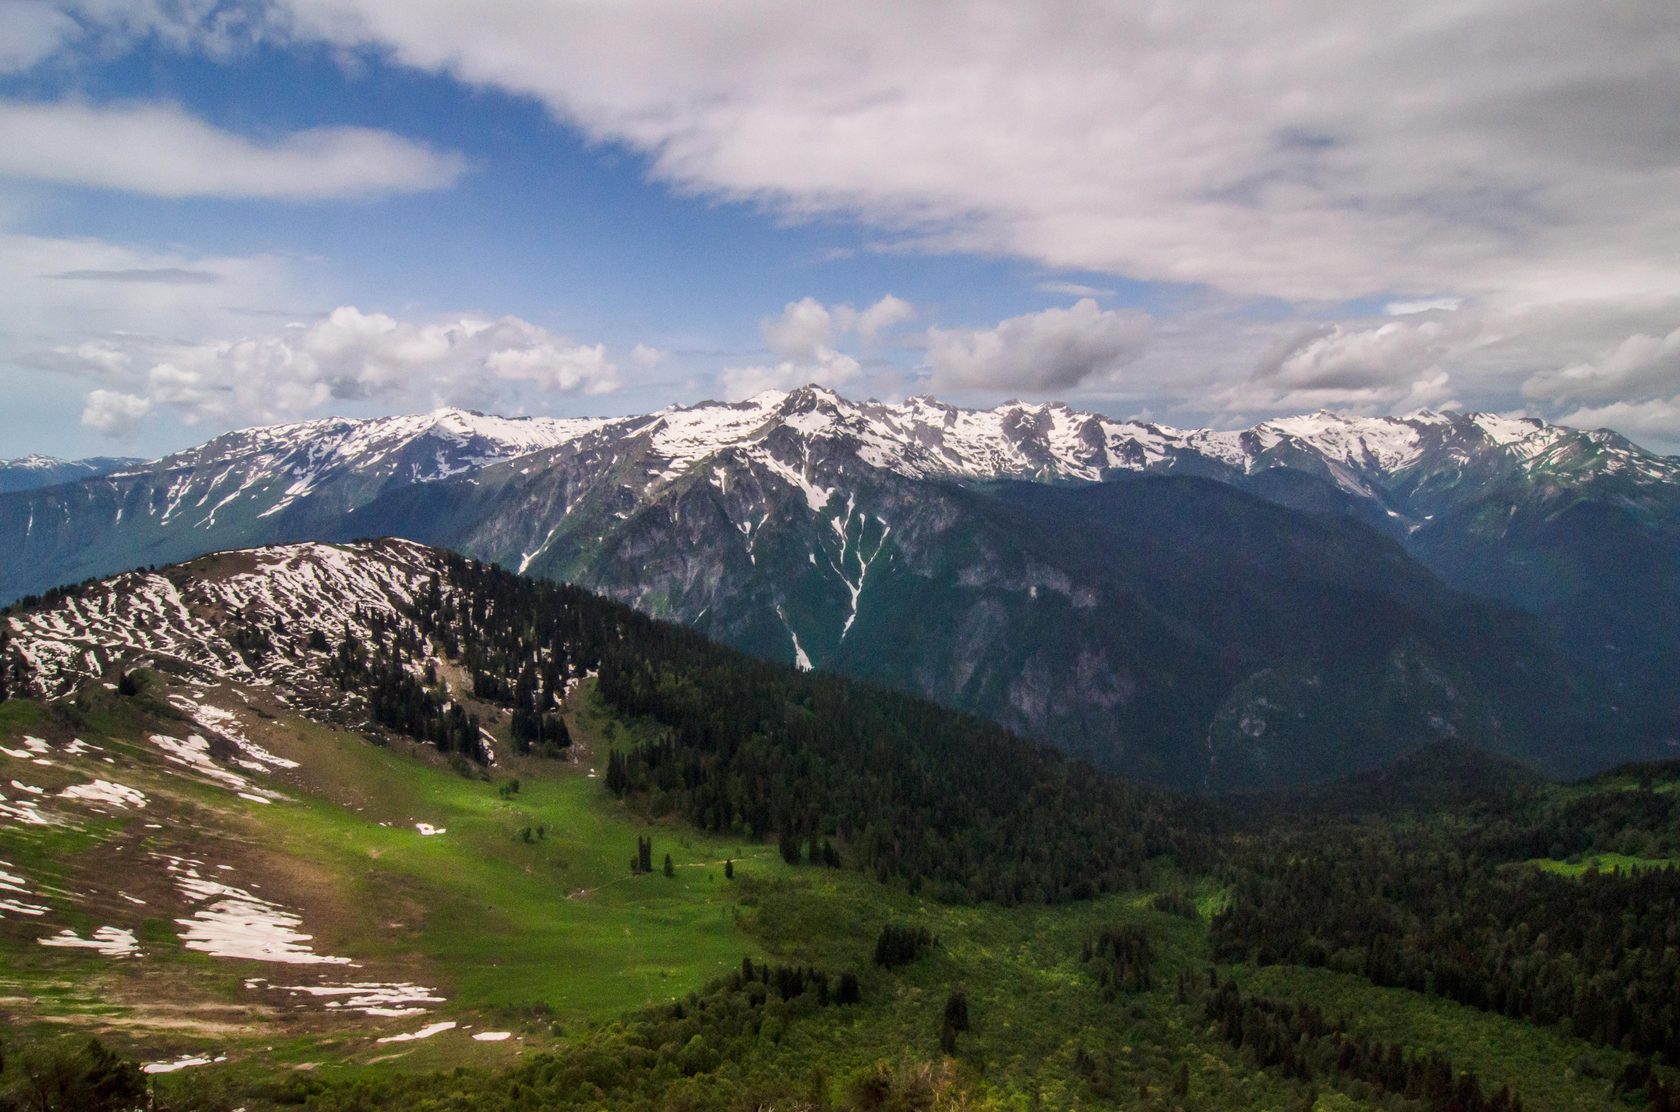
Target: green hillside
{"x":950,"y":919}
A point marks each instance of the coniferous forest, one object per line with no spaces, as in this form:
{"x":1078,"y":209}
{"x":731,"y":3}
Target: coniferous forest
{"x":1440,"y":899}
{"x":916,"y":879}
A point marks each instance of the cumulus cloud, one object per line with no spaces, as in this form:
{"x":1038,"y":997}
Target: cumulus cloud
{"x":1372,"y":366}
{"x":803,"y":328}
{"x":1518,"y":173}
{"x":1640,"y":366}
{"x":825,"y":367}
{"x":1654,"y":423}
{"x":805,"y":336}
{"x":114,"y":413}
{"x":807,"y":327}
{"x":879,"y":318}
{"x":161,"y":150}
{"x":345,"y":357}
{"x":1632,"y":386}
{"x":1056,"y":349}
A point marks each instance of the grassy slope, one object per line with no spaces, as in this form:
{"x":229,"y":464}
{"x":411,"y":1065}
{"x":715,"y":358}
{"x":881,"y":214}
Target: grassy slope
{"x":553,"y":938}
{"x":509,"y":930}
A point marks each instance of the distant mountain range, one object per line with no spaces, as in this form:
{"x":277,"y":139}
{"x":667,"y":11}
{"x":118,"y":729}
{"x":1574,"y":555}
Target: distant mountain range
{"x":29,"y":472}
{"x":1308,"y":597}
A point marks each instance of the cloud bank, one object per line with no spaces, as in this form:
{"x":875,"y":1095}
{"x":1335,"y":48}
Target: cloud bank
{"x":346,"y":356}
{"x":163,"y":151}
{"x":1052,"y":350}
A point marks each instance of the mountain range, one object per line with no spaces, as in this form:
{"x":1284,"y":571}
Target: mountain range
{"x":1304,"y":598}
{"x":29,"y":472}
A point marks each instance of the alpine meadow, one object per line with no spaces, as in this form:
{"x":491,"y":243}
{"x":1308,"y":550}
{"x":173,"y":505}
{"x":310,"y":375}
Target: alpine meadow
{"x":881,"y":557}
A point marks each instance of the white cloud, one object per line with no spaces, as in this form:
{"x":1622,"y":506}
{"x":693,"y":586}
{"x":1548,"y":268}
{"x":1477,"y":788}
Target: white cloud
{"x":883,"y":316}
{"x":114,"y":413}
{"x":1639,"y":367}
{"x":804,"y":336}
{"x":1367,"y":367}
{"x":642,"y":355}
{"x":346,"y":357}
{"x":161,"y":150}
{"x":1654,"y":423}
{"x":1056,"y":349}
{"x":824,"y":366}
{"x":1423,"y":305}
{"x":807,"y":326}
{"x":1305,"y":150}
{"x":56,"y":291}
{"x":1074,"y":289}
{"x":803,"y":328}
{"x":34,"y":31}
{"x":1515,"y":172}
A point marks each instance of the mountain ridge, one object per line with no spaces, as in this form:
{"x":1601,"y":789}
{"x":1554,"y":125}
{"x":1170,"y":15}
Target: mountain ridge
{"x":804,"y":528}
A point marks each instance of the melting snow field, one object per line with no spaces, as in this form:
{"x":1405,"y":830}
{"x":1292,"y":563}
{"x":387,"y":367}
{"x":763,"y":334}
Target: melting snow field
{"x":194,"y":753}
{"x":12,"y":886}
{"x":26,"y":811}
{"x":186,"y":1061}
{"x":111,"y":942}
{"x":226,"y":723}
{"x":233,"y":923}
{"x":32,"y":747}
{"x":426,"y":829}
{"x":105,"y":792}
{"x":368,"y":997}
{"x":492,"y":1036}
{"x":424,"y":1032}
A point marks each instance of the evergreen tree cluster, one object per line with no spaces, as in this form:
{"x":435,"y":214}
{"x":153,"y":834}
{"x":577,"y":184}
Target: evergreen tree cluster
{"x":1122,"y":959}
{"x":1598,"y":953}
{"x":1639,"y":1077}
{"x":89,"y":1077}
{"x":837,"y":772}
{"x":383,"y":670}
{"x":1300,"y":1042}
{"x":1641,"y":819}
{"x":901,"y":944}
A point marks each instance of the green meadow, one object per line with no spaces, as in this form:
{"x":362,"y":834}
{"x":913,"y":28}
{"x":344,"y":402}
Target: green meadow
{"x":524,"y":913}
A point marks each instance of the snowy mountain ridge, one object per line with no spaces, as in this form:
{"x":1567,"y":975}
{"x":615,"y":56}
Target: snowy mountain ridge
{"x":917,"y":438}
{"x":180,"y":621}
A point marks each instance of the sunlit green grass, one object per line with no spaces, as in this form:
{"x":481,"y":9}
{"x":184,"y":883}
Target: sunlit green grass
{"x":1603,"y":862}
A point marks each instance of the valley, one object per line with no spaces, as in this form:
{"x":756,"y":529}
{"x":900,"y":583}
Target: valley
{"x":226,"y":871}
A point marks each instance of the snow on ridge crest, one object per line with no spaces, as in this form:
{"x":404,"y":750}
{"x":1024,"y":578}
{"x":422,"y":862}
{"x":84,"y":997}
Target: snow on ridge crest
{"x":145,"y":617}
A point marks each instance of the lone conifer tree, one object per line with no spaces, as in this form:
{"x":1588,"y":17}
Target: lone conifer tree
{"x":956,"y":1009}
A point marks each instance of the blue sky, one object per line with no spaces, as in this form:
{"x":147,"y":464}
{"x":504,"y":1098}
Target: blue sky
{"x":216,"y":214}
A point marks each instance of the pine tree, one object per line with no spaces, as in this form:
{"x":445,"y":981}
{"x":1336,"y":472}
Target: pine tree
{"x":728,"y":870}
{"x":670,"y":869}
{"x":956,"y":1009}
